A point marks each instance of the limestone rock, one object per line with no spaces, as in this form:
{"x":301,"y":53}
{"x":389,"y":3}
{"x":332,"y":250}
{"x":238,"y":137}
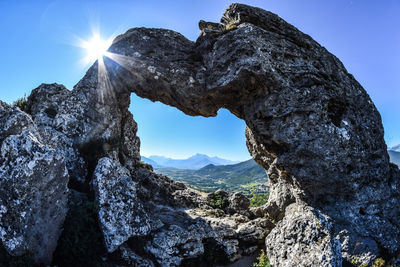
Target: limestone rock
{"x":199,"y":236}
{"x":229,"y":203}
{"x":310,"y":124}
{"x":83,"y":127}
{"x":33,"y":188}
{"x":360,"y":250}
{"x":253,"y":231}
{"x":172,"y":246}
{"x":238,"y":203}
{"x":303,"y":238}
{"x":57,"y":114}
{"x":121,"y":214}
{"x":134,"y":260}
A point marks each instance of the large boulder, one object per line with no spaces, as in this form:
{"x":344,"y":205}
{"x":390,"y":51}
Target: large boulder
{"x":303,"y":238}
{"x":33,"y":188}
{"x":203,"y":237}
{"x":59,"y":117}
{"x":121,"y":214}
{"x":238,"y":203}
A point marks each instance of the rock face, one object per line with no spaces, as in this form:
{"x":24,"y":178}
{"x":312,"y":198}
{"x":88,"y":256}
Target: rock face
{"x":310,"y":123}
{"x":334,"y":195}
{"x":121,"y":214}
{"x":304,"y":237}
{"x":33,"y":188}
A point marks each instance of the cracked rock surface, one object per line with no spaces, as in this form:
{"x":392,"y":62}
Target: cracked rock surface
{"x":33,"y":188}
{"x":309,"y":122}
{"x":121,"y":214}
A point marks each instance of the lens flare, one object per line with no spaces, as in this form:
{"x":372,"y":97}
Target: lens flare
{"x":95,"y":47}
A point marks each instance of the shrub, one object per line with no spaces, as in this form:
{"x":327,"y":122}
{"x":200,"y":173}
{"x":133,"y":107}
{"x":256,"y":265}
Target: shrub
{"x":230,"y":26}
{"x":379,"y":262}
{"x":218,"y":201}
{"x":144,"y":165}
{"x":21,"y":103}
{"x":258,"y":198}
{"x":263,"y":260}
{"x":219,"y":204}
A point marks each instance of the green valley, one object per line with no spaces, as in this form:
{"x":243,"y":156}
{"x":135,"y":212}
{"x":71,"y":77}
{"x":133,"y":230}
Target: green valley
{"x":242,"y":177}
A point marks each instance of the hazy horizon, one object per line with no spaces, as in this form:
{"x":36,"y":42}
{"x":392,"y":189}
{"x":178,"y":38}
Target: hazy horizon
{"x":187,"y":157}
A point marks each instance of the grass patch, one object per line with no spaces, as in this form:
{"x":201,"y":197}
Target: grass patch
{"x":230,"y":26}
{"x":263,"y":260}
{"x":379,"y":262}
{"x":21,"y":103}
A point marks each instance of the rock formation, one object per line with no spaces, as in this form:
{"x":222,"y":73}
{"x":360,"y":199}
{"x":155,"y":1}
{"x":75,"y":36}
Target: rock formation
{"x":33,"y":187}
{"x":334,"y":195}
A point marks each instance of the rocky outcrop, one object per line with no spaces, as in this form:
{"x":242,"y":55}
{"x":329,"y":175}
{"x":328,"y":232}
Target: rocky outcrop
{"x":58,"y":115}
{"x":305,"y":237}
{"x":121,"y":214}
{"x":33,"y":188}
{"x":204,"y":236}
{"x":100,"y":164}
{"x":309,"y":122}
{"x":334,"y":196}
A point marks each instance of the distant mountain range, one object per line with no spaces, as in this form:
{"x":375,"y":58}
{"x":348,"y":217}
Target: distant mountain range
{"x":243,"y":177}
{"x":395,"y":148}
{"x":151,"y":162}
{"x":195,"y":162}
{"x":209,"y":174}
{"x":394,"y":157}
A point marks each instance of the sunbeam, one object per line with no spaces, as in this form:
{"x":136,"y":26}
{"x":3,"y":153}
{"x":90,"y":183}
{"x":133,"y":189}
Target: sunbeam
{"x":95,"y":47}
{"x":126,"y":62}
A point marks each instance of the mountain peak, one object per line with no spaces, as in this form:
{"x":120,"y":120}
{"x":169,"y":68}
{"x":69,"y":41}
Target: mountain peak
{"x":194,"y":162}
{"x":197,"y":155}
{"x":395,"y":148}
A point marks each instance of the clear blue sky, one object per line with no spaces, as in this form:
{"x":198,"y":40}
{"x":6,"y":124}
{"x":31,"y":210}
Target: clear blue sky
{"x":36,"y":38}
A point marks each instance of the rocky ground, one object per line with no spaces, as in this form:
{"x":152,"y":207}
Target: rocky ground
{"x":134,"y":216}
{"x":70,"y":162}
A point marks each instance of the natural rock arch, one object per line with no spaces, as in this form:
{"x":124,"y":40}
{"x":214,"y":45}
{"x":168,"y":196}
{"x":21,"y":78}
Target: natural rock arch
{"x":309,"y":122}
{"x":334,"y":195}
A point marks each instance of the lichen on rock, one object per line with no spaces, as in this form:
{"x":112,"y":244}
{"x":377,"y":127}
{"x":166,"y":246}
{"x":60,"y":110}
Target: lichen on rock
{"x":33,"y":188}
{"x":121,"y":215}
{"x":310,"y":124}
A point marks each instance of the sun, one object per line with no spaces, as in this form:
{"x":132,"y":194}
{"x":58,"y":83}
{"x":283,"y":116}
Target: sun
{"x":96,"y":48}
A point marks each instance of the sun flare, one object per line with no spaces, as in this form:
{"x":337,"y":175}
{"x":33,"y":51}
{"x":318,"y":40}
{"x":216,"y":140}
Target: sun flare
{"x":95,"y":47}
